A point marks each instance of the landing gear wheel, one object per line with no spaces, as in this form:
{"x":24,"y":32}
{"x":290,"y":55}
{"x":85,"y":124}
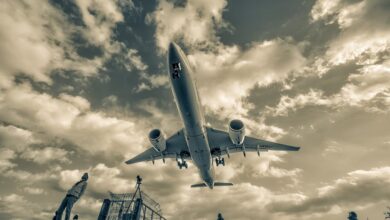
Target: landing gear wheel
{"x":219,"y":161}
{"x":182,"y":164}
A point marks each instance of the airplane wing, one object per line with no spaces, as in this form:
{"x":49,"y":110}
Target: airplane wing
{"x":221,"y":144}
{"x":176,"y":147}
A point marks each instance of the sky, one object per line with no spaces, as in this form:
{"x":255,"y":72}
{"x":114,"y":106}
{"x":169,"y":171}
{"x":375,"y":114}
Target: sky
{"x":82,"y":82}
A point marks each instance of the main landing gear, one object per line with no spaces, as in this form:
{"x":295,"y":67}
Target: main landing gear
{"x":220,"y":161}
{"x":182,"y":164}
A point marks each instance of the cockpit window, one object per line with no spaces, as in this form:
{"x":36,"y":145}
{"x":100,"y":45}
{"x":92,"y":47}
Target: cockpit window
{"x":176,"y":70}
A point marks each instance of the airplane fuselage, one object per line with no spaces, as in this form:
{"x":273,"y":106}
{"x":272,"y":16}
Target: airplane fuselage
{"x":188,"y":104}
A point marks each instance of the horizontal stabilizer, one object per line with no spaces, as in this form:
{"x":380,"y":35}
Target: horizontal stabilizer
{"x":222,"y":184}
{"x":215,"y":184}
{"x":199,"y":185}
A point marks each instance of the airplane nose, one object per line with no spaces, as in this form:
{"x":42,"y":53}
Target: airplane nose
{"x":172,"y":48}
{"x":171,"y":45}
{"x":173,"y":53}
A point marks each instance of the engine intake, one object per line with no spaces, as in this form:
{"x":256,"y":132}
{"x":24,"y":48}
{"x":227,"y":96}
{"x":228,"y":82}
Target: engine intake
{"x":157,"y":139}
{"x":236,"y":131}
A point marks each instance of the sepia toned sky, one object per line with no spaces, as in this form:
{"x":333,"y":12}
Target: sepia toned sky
{"x":82,"y":82}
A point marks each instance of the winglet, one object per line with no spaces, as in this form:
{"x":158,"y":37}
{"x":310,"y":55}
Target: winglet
{"x":295,"y":148}
{"x":298,"y":148}
{"x":128,"y":162}
{"x":133,"y":160}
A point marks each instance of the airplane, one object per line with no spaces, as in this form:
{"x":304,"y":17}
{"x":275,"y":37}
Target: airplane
{"x":196,"y":141}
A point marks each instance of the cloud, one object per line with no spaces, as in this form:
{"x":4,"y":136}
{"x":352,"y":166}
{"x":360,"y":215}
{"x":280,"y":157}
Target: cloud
{"x":16,"y":138}
{"x":45,"y":155}
{"x":371,"y":85}
{"x":87,"y":207}
{"x":225,"y":76}
{"x":40,"y":39}
{"x":33,"y":190}
{"x":369,"y":89}
{"x":261,"y":171}
{"x":332,"y":147}
{"x":110,"y":101}
{"x":29,"y":178}
{"x":18,"y":143}
{"x":6,"y":156}
{"x":152,"y":81}
{"x":39,"y":111}
{"x":251,"y":199}
{"x":364,"y":33}
{"x":77,"y":101}
{"x":323,"y":9}
{"x":287,"y":103}
{"x":19,"y":208}
{"x":100,"y":17}
{"x":194,"y":23}
{"x":133,"y":60}
{"x":166,"y":120}
{"x":65,"y":118}
{"x":360,"y":187}
{"x":34,"y":45}
{"x":28,"y":45}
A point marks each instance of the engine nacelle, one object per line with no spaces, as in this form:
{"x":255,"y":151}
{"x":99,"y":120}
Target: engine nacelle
{"x":236,"y":131}
{"x":157,"y":139}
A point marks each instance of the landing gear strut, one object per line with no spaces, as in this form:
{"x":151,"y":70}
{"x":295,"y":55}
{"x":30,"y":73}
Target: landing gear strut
{"x":220,"y":161}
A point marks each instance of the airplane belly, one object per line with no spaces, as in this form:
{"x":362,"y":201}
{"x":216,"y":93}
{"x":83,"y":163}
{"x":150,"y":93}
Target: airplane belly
{"x":188,"y":106}
{"x":200,"y":151}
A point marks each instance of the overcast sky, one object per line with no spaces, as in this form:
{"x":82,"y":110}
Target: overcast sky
{"x":82,"y":83}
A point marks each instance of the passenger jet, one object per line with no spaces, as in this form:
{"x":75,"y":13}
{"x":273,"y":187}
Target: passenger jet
{"x":196,"y":141}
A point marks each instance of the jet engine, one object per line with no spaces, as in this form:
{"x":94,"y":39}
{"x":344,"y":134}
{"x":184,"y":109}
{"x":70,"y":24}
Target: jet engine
{"x":236,"y":131}
{"x":157,"y":139}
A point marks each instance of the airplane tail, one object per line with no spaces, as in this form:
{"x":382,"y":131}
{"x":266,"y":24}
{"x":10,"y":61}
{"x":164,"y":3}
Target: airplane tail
{"x":199,"y":185}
